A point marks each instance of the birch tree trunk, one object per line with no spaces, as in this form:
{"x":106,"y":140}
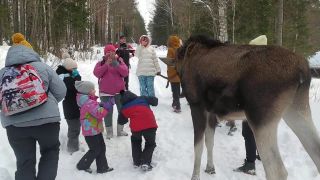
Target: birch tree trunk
{"x":279,"y":23}
{"x":106,"y":31}
{"x":223,"y":31}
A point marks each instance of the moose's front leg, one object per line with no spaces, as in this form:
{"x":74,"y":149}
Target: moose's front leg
{"x":199,"y":126}
{"x":209,"y":140}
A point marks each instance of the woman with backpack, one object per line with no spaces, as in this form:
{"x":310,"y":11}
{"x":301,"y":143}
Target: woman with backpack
{"x":28,"y":126}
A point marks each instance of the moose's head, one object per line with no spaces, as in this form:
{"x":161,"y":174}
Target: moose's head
{"x":192,"y":47}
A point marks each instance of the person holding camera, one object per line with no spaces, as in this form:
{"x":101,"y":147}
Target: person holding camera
{"x":111,"y":71}
{"x":124,"y":50}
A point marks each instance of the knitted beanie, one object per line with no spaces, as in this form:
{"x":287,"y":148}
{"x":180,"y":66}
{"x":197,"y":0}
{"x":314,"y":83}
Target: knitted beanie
{"x":109,"y":48}
{"x":260,"y":40}
{"x":19,"y":39}
{"x":84,"y":87}
{"x":65,"y":55}
{"x":69,"y":64}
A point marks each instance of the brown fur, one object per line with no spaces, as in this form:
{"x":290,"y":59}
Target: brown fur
{"x":260,"y":81}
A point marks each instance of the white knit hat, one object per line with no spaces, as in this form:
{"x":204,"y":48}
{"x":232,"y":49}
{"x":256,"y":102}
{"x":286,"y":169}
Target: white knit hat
{"x":84,"y":87}
{"x":69,"y":64}
{"x":260,"y":40}
{"x":65,"y":54}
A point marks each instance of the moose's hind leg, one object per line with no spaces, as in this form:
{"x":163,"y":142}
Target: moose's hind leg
{"x":298,"y":118}
{"x":263,"y":117}
{"x":209,"y":140}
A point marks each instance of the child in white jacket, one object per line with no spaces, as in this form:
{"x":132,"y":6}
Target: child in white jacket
{"x":148,"y":66}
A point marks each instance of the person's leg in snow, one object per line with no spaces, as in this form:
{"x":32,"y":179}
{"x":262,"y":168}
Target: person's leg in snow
{"x":94,"y":151}
{"x":49,"y":150}
{"x":136,"y":147}
{"x":108,"y":118}
{"x":101,"y":159}
{"x":24,"y":148}
{"x":23,"y":142}
{"x":150,"y":86}
{"x":175,"y":88}
{"x":143,"y":85}
{"x":121,"y":121}
{"x":74,"y":127}
{"x":150,"y":143}
{"x":251,"y":148}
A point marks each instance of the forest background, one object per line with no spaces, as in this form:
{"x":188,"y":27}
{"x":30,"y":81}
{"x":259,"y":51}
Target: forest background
{"x":53,"y":24}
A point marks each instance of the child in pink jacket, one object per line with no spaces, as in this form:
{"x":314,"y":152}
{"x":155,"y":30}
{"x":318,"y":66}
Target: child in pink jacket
{"x":91,"y":115}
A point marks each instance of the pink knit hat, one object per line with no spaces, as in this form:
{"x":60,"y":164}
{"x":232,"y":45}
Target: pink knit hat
{"x":109,"y":48}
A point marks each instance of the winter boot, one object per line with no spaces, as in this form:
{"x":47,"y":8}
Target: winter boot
{"x":120,"y":131}
{"x":105,"y":170}
{"x":146,"y":167}
{"x":89,"y":170}
{"x":109,"y":132}
{"x":247,"y":167}
{"x":176,"y":110}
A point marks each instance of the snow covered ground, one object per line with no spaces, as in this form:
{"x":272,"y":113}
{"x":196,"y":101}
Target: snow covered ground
{"x":173,"y":156}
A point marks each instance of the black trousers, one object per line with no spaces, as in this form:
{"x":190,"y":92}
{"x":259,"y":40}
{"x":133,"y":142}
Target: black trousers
{"x":143,"y":156}
{"x":126,"y":80}
{"x":175,"y":88}
{"x":74,"y":127}
{"x":97,"y":151}
{"x":250,"y":142}
{"x":23,"y":142}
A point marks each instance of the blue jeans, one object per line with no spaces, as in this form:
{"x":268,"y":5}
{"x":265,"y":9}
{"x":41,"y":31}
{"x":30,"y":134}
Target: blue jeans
{"x":146,"y":85}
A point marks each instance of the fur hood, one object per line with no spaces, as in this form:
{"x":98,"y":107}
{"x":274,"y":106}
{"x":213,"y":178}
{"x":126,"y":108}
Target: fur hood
{"x":149,"y":38}
{"x":173,"y":42}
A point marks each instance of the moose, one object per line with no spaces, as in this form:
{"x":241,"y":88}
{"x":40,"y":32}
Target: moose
{"x":259,"y":83}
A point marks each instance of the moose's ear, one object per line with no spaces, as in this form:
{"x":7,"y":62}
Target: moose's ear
{"x":190,"y":49}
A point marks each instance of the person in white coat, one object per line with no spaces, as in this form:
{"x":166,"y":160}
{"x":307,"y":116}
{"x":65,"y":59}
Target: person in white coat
{"x":148,"y":66}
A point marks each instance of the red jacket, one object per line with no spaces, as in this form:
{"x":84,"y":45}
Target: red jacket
{"x":140,"y":115}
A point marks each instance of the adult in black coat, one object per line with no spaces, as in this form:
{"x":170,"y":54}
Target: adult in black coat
{"x":69,"y":73}
{"x":123,"y":51}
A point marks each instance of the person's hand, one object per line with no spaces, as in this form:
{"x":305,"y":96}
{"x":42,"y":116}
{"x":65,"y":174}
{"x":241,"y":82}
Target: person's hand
{"x":109,"y":61}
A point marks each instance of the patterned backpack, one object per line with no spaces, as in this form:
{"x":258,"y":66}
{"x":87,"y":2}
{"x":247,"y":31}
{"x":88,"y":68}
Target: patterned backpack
{"x":21,"y":89}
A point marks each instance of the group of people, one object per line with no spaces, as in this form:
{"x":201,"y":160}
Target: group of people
{"x":82,"y":110}
{"x":112,"y":73}
{"x":84,"y":113}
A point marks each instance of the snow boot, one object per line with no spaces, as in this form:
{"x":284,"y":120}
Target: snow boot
{"x":247,"y":167}
{"x":146,"y":167}
{"x":109,"y":132}
{"x":89,"y":170}
{"x":105,"y":170}
{"x":120,"y":131}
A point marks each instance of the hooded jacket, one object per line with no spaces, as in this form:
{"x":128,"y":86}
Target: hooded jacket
{"x":137,"y":109}
{"x":148,"y":64}
{"x":173,"y":45}
{"x":110,"y":78}
{"x":91,"y":115}
{"x":48,"y":112}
